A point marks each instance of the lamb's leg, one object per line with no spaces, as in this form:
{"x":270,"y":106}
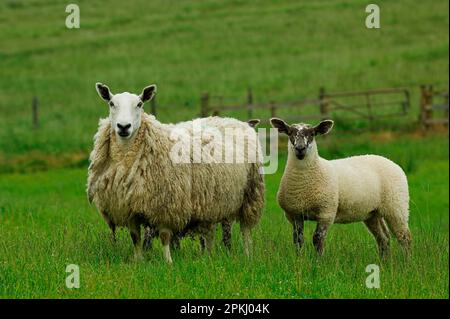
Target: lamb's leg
{"x":401,"y":231}
{"x":297,"y":233}
{"x":164,"y":235}
{"x":175,"y":241}
{"x":226,"y":233}
{"x":135,"y":231}
{"x":246,"y":234}
{"x":149,"y":234}
{"x":202,"y":243}
{"x":209,"y":237}
{"x":385,"y":228}
{"x":319,"y":236}
{"x":375,"y":226}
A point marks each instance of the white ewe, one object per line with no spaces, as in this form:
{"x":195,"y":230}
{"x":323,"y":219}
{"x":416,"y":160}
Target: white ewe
{"x":365,"y":188}
{"x":133,"y":178}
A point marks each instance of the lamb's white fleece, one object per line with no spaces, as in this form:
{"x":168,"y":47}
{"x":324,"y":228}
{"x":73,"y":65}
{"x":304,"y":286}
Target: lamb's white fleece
{"x":346,"y":190}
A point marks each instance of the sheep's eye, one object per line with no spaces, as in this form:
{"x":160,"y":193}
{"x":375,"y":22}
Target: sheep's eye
{"x":111,"y":104}
{"x":139,"y":104}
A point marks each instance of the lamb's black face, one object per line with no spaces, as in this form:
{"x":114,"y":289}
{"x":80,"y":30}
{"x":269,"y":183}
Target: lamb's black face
{"x":301,"y":136}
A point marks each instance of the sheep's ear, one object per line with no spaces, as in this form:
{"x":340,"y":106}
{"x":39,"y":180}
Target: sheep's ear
{"x":281,"y":125}
{"x":253,"y":122}
{"x":103,"y":91}
{"x":323,"y":127}
{"x":148,"y":93}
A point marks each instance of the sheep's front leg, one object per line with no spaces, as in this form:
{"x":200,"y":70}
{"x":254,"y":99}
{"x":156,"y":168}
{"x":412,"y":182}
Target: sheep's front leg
{"x":202,"y":243}
{"x":111,"y":225}
{"x":135,"y":231}
{"x":149,"y":234}
{"x":164,"y":235}
{"x":209,"y":237}
{"x":319,"y":236}
{"x":297,"y":233}
{"x":226,"y":233}
{"x":175,"y":240}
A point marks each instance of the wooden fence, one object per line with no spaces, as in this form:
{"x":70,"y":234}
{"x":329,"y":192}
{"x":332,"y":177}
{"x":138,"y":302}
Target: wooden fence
{"x":432,"y":113}
{"x":433,"y":106}
{"x":395,"y":103}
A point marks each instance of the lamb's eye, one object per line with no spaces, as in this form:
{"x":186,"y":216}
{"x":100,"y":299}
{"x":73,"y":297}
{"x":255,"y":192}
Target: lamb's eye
{"x":139,"y":104}
{"x":111,"y":104}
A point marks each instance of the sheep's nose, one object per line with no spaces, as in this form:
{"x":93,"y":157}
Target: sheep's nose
{"x":123,"y":127}
{"x":300,"y":148}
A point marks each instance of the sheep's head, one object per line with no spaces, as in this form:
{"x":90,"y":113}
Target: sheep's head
{"x":125,"y":109}
{"x":301,"y":136}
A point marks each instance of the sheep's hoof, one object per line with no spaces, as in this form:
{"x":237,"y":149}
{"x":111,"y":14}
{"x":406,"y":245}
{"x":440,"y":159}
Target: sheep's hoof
{"x":168,"y":259}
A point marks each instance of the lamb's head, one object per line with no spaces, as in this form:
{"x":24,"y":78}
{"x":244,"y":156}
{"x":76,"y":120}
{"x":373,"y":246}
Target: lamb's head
{"x":125,"y":109}
{"x":302,"y":136}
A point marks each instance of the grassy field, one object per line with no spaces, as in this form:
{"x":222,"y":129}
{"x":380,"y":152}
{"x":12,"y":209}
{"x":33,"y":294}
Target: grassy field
{"x":48,"y":224}
{"x":283,"y":50}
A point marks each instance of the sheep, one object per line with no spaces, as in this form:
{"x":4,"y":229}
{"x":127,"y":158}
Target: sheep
{"x":367,"y":188}
{"x":150,"y":233}
{"x":133,"y":179}
{"x":226,"y":224}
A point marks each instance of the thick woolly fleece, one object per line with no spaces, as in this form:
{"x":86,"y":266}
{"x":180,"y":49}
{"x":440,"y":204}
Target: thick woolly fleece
{"x":141,"y":178}
{"x":345,"y":190}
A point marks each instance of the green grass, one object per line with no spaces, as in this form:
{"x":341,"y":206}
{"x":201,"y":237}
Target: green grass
{"x":46,"y":224}
{"x":284,"y":50}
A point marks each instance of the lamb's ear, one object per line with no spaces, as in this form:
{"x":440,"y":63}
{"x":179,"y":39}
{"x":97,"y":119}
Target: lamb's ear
{"x":148,"y":93}
{"x":103,"y":91}
{"x":281,"y":125}
{"x":253,"y":122}
{"x":323,"y":127}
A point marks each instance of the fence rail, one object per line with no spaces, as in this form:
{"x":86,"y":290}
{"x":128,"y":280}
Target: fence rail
{"x":324,"y":106}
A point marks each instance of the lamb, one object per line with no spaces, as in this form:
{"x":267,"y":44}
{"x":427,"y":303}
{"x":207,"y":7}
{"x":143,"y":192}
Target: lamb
{"x":133,"y":179}
{"x":367,"y":188}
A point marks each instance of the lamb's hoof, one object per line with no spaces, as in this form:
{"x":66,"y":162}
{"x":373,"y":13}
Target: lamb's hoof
{"x":168,"y":257}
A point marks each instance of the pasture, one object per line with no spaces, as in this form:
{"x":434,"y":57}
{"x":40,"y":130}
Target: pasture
{"x":48,"y":224}
{"x":283,"y":50}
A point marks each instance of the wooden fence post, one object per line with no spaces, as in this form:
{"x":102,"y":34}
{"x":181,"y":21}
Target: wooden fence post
{"x":426,"y":110}
{"x":204,"y":105}
{"x":430,"y":102}
{"x":407,"y":104}
{"x":249,"y":103}
{"x":324,"y":104}
{"x":423,"y":105}
{"x":35,"y":112}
